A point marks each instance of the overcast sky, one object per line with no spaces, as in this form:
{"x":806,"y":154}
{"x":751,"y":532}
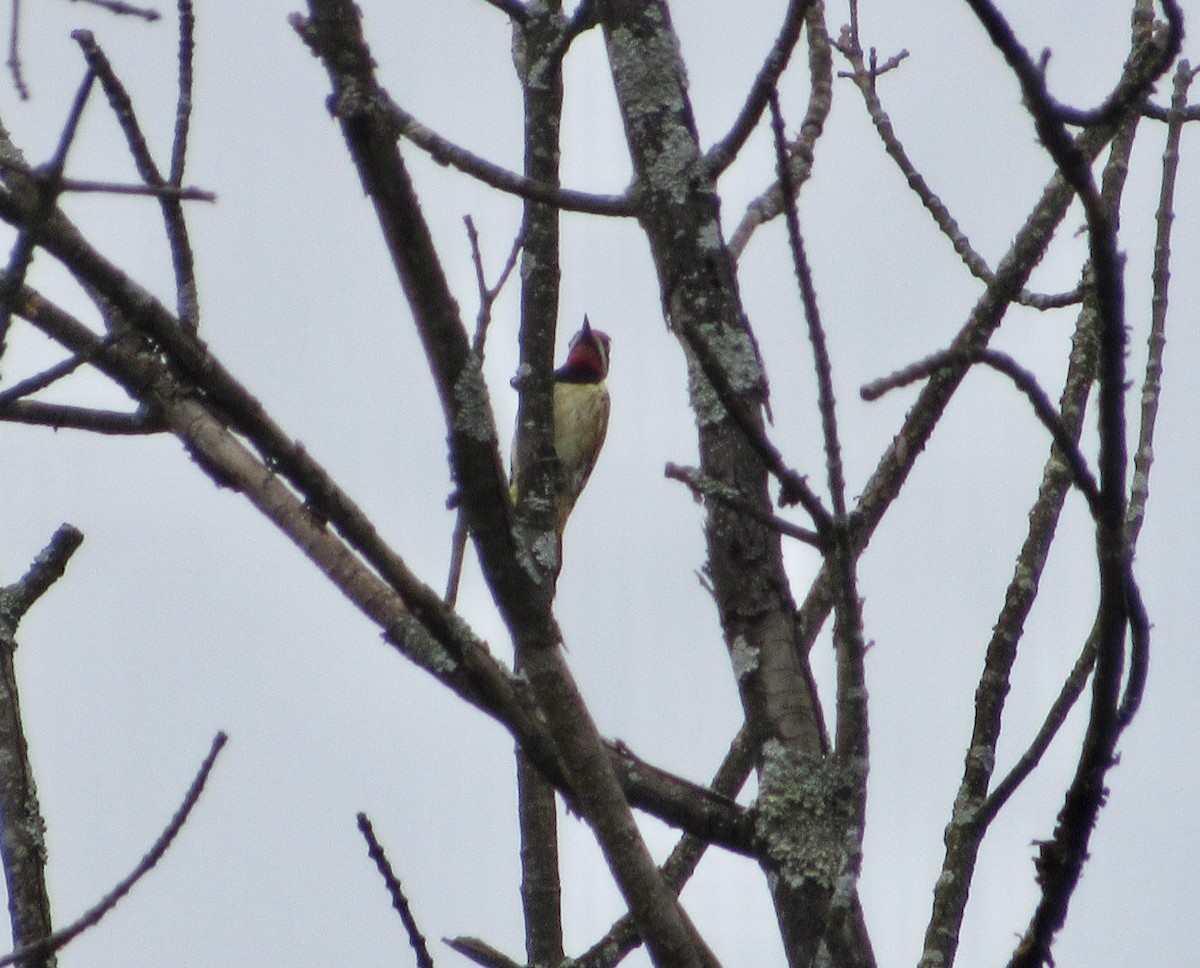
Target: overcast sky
{"x":185,"y":612}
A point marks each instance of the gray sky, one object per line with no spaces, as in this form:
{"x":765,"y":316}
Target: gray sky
{"x":185,"y":612}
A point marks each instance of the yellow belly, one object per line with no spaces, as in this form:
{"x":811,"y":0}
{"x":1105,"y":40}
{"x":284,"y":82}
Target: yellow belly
{"x":580,"y":423}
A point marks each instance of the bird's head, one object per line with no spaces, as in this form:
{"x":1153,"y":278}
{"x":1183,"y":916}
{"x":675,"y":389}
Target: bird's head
{"x":587,"y":357}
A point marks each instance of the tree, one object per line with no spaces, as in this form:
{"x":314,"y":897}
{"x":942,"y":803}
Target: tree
{"x":785,"y":527}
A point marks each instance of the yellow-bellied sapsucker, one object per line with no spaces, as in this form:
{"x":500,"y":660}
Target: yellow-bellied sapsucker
{"x":580,"y":417}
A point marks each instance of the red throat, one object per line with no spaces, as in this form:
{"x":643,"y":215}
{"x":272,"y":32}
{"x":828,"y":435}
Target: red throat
{"x":584,"y":361}
{"x":587,"y":360}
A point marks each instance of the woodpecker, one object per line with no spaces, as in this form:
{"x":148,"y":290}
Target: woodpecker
{"x":580,"y":417}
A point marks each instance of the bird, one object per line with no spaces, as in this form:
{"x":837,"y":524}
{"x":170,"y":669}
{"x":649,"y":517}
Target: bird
{"x":581,"y":407}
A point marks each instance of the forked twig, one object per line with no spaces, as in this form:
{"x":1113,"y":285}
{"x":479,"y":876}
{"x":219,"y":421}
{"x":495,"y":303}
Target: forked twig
{"x":487,"y":298}
{"x":864,"y":76}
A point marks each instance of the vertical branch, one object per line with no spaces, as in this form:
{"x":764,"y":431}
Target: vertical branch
{"x":14,"y":50}
{"x":22,"y":843}
{"x":177,"y":234}
{"x":1061,"y":859}
{"x":1160,"y":277}
{"x":851,"y":742}
{"x":971,"y":817}
{"x":537,"y":54}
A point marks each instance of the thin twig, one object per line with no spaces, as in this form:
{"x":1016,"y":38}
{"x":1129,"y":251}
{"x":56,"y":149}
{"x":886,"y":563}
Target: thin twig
{"x":182,"y":258}
{"x":721,"y":155}
{"x":1160,"y":276}
{"x":704,"y":486}
{"x":122,"y":107}
{"x":446,"y":152}
{"x":1061,"y":859}
{"x":183,"y":106}
{"x":40,"y":381}
{"x":1072,"y":689}
{"x":487,"y":298}
{"x":679,"y":867}
{"x":46,"y":183}
{"x":61,"y":416}
{"x":481,"y":953}
{"x":812,"y":314}
{"x":14,"y":51}
{"x":181,"y":192}
{"x":769,"y":204}
{"x":124,"y":9}
{"x":1025,"y":381}
{"x":92,"y":917}
{"x":399,"y":901}
{"x":864,"y":78}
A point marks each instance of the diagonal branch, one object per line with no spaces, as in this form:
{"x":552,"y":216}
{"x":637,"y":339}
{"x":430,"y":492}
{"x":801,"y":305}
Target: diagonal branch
{"x":92,"y":917}
{"x":769,"y":205}
{"x":1024,"y":381}
{"x":170,"y":203}
{"x":865,"y":78}
{"x":46,"y":185}
{"x":721,"y":155}
{"x":1061,"y":860}
{"x":399,"y":900}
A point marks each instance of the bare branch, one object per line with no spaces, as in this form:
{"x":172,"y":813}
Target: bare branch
{"x":483,"y":318}
{"x":92,"y":917}
{"x":45,"y":184}
{"x":481,"y":953}
{"x":22,"y":829}
{"x":46,"y":569}
{"x":402,"y":124}
{"x":864,"y":78}
{"x":812,"y":314}
{"x":1061,"y":860}
{"x":793,"y":486}
{"x":769,"y":204}
{"x":399,"y":901}
{"x":1160,"y":277}
{"x":40,"y":381}
{"x":183,"y":107}
{"x":1072,"y":689}
{"x":172,"y":210}
{"x":411,"y":615}
{"x":14,"y":51}
{"x":721,"y":155}
{"x":126,"y":9}
{"x":967,"y":825}
{"x":1025,"y":381}
{"x":678,"y":868}
{"x":183,"y":193}
{"x":61,"y":416}
{"x":704,"y":486}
